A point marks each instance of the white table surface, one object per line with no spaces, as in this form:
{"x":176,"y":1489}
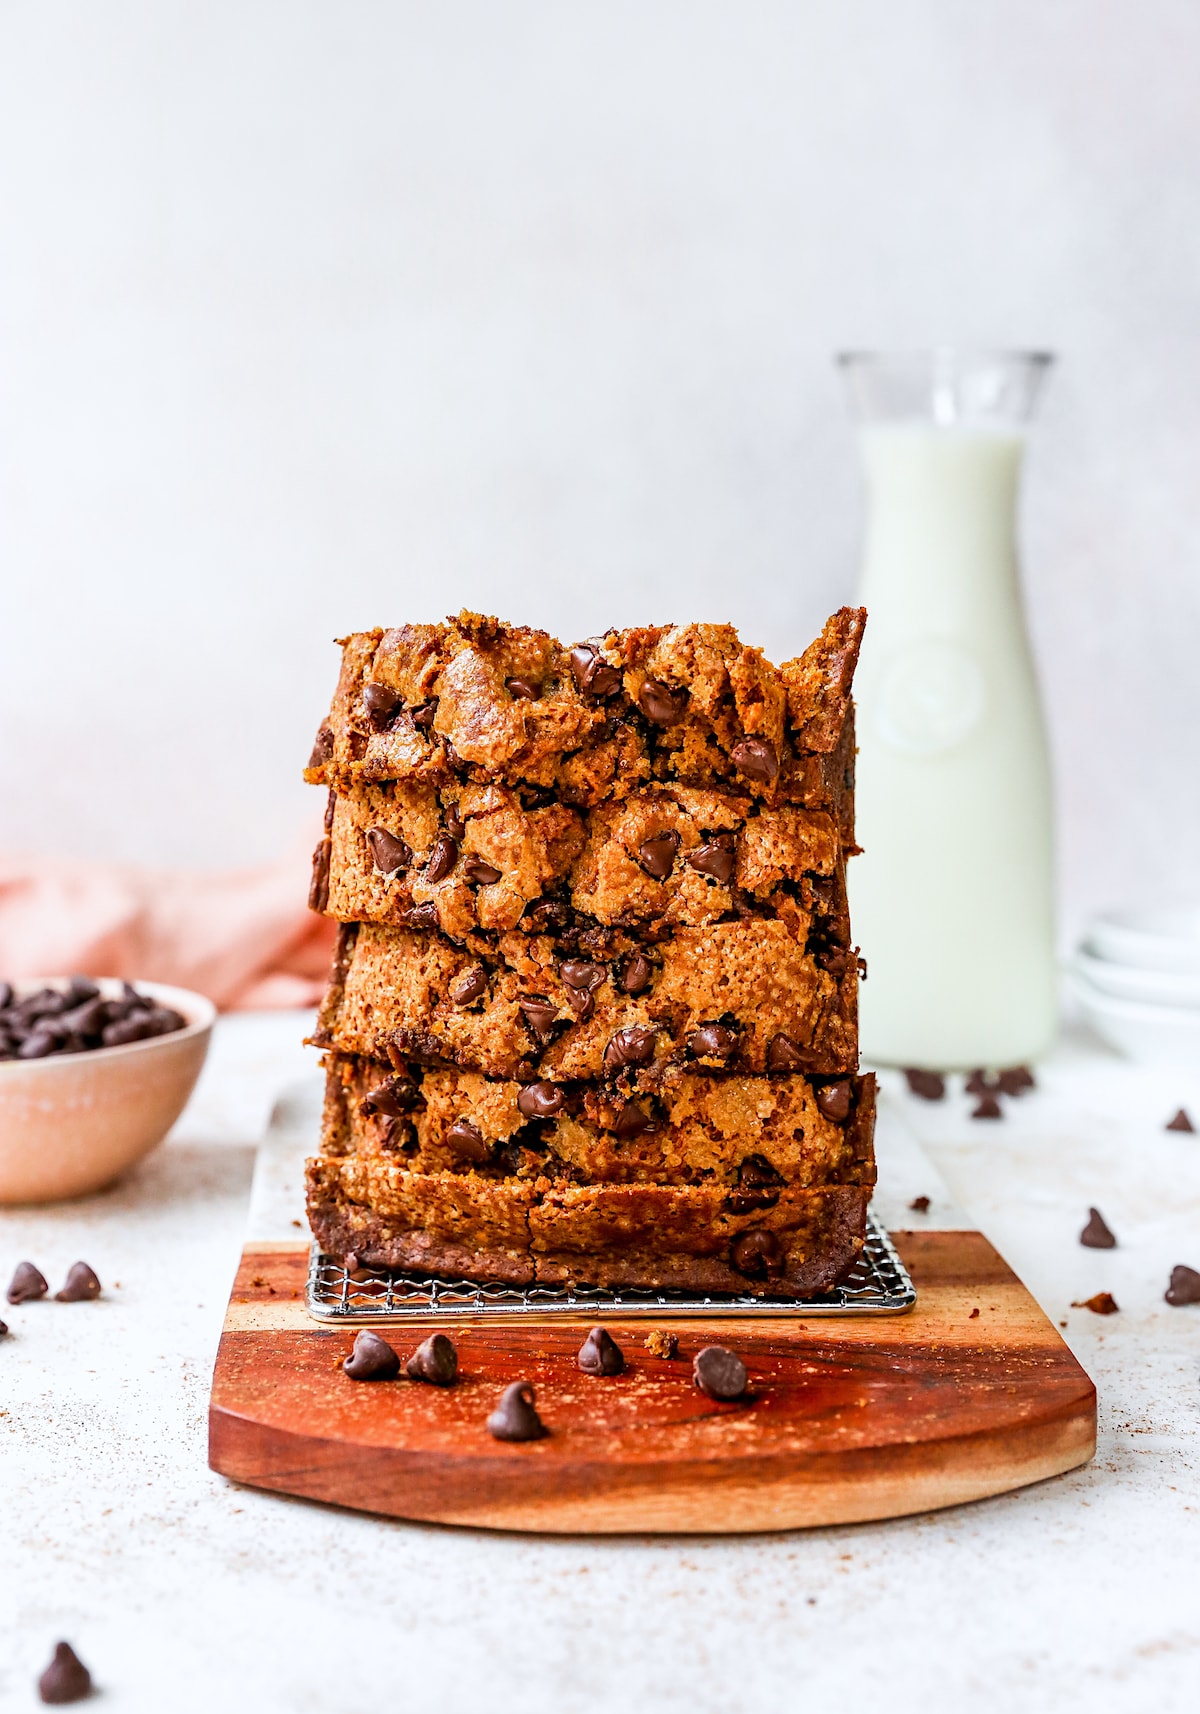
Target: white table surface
{"x":183,"y":1592}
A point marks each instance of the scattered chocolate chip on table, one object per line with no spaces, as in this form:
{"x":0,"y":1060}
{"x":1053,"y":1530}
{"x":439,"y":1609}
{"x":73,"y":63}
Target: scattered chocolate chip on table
{"x":919,"y":1205}
{"x":1096,"y":1235}
{"x":27,"y":1284}
{"x":1181,"y":1122}
{"x":1184,"y":1286}
{"x":81,"y":1285}
{"x":66,"y":1679}
{"x":988,"y":1108}
{"x":929,"y":1085}
{"x":719,"y":1373}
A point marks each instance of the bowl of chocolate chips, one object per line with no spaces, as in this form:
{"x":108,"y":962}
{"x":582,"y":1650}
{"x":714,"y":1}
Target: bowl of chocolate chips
{"x":92,"y":1075}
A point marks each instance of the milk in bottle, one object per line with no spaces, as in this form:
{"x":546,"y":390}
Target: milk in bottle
{"x":952,"y":899}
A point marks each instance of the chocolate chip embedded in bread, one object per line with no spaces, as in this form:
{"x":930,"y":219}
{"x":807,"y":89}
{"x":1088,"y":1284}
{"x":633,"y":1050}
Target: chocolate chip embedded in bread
{"x":713,"y":1041}
{"x":581,"y":1003}
{"x":27,"y":1284}
{"x":1180,"y":1122}
{"x":382,"y":703}
{"x":755,"y":758}
{"x":718,"y":1373}
{"x":387,"y":852}
{"x":582,"y":973}
{"x":657,"y":855}
{"x":632,"y":1121}
{"x":783,"y":1054}
{"x":435,"y":1361}
{"x":469,"y":986}
{"x":756,"y":1254}
{"x":715,"y":859}
{"x":322,"y":750}
{"x":479,"y":873}
{"x":929,"y":1085}
{"x":1096,"y":1234}
{"x":631,"y":1046}
{"x":442,"y":859}
{"x":540,"y":1014}
{"x":422,"y":916}
{"x":1184,"y":1286}
{"x":455,"y":826}
{"x":395,"y":1097}
{"x":318,"y":888}
{"x":541,"y":1100}
{"x":600,"y":1354}
{"x":372,"y":1359}
{"x":636,"y":975}
{"x":592,"y":672}
{"x":833,"y":1099}
{"x":466,"y":1142}
{"x":422,"y":716}
{"x":660,"y":704}
{"x":515,"y":1418}
{"x":66,"y":1679}
{"x":522,"y":689}
{"x":81,"y":1285}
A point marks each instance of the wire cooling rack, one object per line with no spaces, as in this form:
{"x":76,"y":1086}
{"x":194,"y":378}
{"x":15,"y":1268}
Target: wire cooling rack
{"x":879,"y":1285}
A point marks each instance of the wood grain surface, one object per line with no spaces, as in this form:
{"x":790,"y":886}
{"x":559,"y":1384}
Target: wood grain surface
{"x":845,"y":1419}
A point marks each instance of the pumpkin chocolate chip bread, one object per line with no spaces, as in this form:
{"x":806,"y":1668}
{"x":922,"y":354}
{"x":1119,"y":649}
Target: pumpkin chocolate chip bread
{"x":593,"y":1010}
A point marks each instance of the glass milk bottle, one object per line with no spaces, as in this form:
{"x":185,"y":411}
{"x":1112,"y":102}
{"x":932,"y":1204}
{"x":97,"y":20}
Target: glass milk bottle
{"x":952,"y":900}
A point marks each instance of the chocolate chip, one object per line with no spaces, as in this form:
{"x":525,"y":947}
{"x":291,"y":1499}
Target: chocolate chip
{"x":919,"y":1205}
{"x":6,"y":995}
{"x":719,"y":1373}
{"x":1015,"y":1080}
{"x":66,"y":1679}
{"x":834,"y":1101}
{"x":783,"y":1054}
{"x":662,"y":1344}
{"x":981,"y":1083}
{"x":756,"y":1173}
{"x":81,"y":1285}
{"x":632,"y":1121}
{"x":138,"y":1026}
{"x":387,"y":852}
{"x":714,"y":859}
{"x":38,"y":1044}
{"x":541,"y":1100}
{"x":469,"y":986}
{"x":713,"y":1041}
{"x":396,"y":1097}
{"x":466,"y":1141}
{"x":322,"y":750}
{"x":1184,"y":1286}
{"x":593,"y":673}
{"x":330,"y":810}
{"x":755,"y":758}
{"x":756,"y":1254}
{"x":81,"y":988}
{"x":318,"y":887}
{"x":522,"y":689}
{"x":581,"y":1003}
{"x":1180,"y":1122}
{"x":422,"y":916}
{"x":26,"y":1284}
{"x":988,"y":1108}
{"x":455,"y":825}
{"x":631,"y":1046}
{"x":657,"y":855}
{"x":1104,"y":1303}
{"x":1096,"y":1235}
{"x":435,"y":1361}
{"x":515,"y":1417}
{"x":636,"y":975}
{"x":3,"y":1329}
{"x":545,"y":916}
{"x":442,"y":859}
{"x":929,"y":1085}
{"x":372,"y":1359}
{"x":539,"y":1014}
{"x":659,"y":704}
{"x":479,"y":873}
{"x":381,"y":703}
{"x":600,"y":1354}
{"x":422,"y":715}
{"x":581,"y":973}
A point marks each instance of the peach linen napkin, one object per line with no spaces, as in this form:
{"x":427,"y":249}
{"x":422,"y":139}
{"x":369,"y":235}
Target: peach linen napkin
{"x":245,"y":938}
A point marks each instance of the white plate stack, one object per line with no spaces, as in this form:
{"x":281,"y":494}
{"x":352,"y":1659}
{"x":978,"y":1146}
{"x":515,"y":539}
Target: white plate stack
{"x":1137,"y":980}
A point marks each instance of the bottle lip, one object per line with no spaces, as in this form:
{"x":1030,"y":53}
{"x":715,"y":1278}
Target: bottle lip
{"x":957,"y":354}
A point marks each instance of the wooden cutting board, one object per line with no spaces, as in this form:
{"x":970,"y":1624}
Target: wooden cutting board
{"x":972,"y":1393}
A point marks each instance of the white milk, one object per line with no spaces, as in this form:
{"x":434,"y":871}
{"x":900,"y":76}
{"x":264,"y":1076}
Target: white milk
{"x":952,"y":900}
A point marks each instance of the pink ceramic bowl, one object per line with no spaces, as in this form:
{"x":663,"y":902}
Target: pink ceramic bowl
{"x":72,"y":1122}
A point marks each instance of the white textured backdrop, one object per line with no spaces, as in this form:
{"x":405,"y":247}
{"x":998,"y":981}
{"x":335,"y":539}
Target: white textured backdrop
{"x":317,"y":316}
